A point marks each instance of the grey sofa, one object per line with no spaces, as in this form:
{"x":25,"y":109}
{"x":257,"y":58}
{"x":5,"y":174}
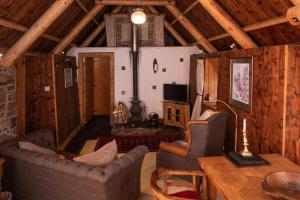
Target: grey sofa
{"x":206,"y":138}
{"x":34,"y":176}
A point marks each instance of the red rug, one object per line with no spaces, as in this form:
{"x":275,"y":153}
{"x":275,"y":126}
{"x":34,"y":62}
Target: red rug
{"x":149,"y":138}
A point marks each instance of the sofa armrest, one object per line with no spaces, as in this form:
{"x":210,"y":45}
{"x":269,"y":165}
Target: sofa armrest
{"x":43,"y":138}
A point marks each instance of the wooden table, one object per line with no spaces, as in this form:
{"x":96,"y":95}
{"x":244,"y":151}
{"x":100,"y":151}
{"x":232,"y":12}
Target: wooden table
{"x":233,"y":183}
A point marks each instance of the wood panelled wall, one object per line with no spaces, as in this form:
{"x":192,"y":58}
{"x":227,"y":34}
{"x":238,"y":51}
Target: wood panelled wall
{"x":40,"y":108}
{"x":270,"y":129}
{"x":57,"y":109}
{"x":292,"y":102}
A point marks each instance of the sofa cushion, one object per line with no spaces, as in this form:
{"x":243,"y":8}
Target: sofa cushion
{"x":6,"y":137}
{"x":33,"y":147}
{"x":101,"y":157}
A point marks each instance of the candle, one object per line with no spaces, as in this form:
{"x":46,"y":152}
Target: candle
{"x":244,"y":125}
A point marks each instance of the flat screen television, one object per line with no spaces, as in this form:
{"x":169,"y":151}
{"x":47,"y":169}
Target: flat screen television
{"x":176,"y":92}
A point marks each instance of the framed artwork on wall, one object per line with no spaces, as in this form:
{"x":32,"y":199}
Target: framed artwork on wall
{"x":241,"y":82}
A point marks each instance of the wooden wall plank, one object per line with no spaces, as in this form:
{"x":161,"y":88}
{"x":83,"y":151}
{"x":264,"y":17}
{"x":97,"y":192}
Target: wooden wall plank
{"x":293,"y":103}
{"x":40,"y":111}
{"x":66,"y":99}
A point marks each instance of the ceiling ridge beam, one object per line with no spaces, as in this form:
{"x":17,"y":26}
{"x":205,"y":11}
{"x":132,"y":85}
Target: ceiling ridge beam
{"x":136,"y":2}
{"x":169,"y":27}
{"x":252,"y":27}
{"x":98,"y":29}
{"x":84,"y":9}
{"x":188,"y":9}
{"x":228,"y":23}
{"x":35,"y":31}
{"x":199,"y":37}
{"x":76,"y":30}
{"x":18,"y":27}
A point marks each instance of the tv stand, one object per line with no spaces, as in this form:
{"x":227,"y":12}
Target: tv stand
{"x":176,"y":113}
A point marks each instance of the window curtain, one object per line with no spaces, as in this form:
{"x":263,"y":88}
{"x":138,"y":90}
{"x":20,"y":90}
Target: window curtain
{"x":199,"y":87}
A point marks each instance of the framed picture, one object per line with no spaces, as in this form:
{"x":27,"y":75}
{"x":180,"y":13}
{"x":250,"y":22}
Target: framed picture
{"x":241,"y":83}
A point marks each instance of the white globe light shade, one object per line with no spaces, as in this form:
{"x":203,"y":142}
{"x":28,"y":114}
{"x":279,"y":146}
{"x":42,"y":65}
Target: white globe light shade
{"x":138,"y":16}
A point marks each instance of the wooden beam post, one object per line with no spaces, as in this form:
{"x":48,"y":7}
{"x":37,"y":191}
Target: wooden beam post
{"x":199,"y":37}
{"x":230,"y":26}
{"x":98,"y":30}
{"x":74,"y":32}
{"x":84,"y":9}
{"x":36,"y":30}
{"x":18,"y":27}
{"x":169,"y":27}
{"x":136,"y":2}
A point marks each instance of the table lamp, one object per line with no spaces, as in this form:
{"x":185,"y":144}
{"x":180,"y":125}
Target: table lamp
{"x":207,"y":98}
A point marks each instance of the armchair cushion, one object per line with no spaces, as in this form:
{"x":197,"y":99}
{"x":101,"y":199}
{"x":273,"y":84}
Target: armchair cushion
{"x":178,"y":148}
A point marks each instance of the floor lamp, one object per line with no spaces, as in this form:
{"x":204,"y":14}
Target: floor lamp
{"x":207,"y":98}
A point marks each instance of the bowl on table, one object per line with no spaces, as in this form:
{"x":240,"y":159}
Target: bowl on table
{"x":282,"y":185}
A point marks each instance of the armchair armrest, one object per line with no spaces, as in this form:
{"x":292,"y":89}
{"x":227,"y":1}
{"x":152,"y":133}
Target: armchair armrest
{"x":43,"y":137}
{"x":173,"y":148}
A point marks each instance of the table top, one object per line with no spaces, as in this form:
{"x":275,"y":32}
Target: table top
{"x":243,"y":183}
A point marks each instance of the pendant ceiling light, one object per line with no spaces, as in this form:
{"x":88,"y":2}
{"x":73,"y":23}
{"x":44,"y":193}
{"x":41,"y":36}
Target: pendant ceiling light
{"x":138,"y":16}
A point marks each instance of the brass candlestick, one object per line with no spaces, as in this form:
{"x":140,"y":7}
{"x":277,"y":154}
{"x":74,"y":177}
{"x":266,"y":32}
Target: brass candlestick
{"x":245,"y":152}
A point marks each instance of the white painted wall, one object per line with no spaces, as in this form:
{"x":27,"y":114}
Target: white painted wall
{"x":167,"y":57}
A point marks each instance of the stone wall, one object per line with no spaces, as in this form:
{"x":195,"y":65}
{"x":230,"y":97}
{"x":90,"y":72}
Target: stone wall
{"x":8,"y":104}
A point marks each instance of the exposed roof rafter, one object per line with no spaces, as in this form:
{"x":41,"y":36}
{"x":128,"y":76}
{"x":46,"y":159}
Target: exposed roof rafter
{"x":18,"y":27}
{"x":98,"y":30}
{"x":35,"y":31}
{"x":136,"y":2}
{"x":228,"y":23}
{"x":76,"y":30}
{"x":169,"y":27}
{"x":263,"y":24}
{"x":188,"y":9}
{"x":84,"y":9}
{"x":199,"y":37}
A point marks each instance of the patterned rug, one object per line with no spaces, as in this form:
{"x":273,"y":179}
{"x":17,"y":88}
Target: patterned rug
{"x":128,"y":138}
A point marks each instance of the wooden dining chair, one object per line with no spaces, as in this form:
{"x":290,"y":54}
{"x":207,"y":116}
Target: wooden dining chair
{"x":193,"y":189}
{"x":298,"y":152}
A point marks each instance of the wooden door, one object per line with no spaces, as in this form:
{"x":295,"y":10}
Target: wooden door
{"x":211,"y":77}
{"x":101,"y":85}
{"x":88,"y":88}
{"x":66,"y":96}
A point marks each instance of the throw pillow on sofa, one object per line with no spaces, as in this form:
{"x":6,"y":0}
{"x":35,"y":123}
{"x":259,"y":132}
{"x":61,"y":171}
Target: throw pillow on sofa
{"x":33,"y":147}
{"x":101,"y":157}
{"x":206,"y":114}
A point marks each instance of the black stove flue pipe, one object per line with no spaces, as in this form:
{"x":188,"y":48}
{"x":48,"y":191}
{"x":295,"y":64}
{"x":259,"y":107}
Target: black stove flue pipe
{"x":135,"y":109}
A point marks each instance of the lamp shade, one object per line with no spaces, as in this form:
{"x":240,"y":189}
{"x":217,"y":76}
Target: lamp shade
{"x":138,"y":16}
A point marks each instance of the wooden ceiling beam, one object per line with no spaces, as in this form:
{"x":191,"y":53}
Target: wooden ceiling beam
{"x":199,"y":37}
{"x":84,"y":9}
{"x":136,"y":2}
{"x":188,"y":9}
{"x":228,"y":23}
{"x":98,"y":30}
{"x":35,"y":31}
{"x":76,"y":30}
{"x":18,"y":27}
{"x":100,"y":40}
{"x":263,"y":24}
{"x":169,"y":27}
